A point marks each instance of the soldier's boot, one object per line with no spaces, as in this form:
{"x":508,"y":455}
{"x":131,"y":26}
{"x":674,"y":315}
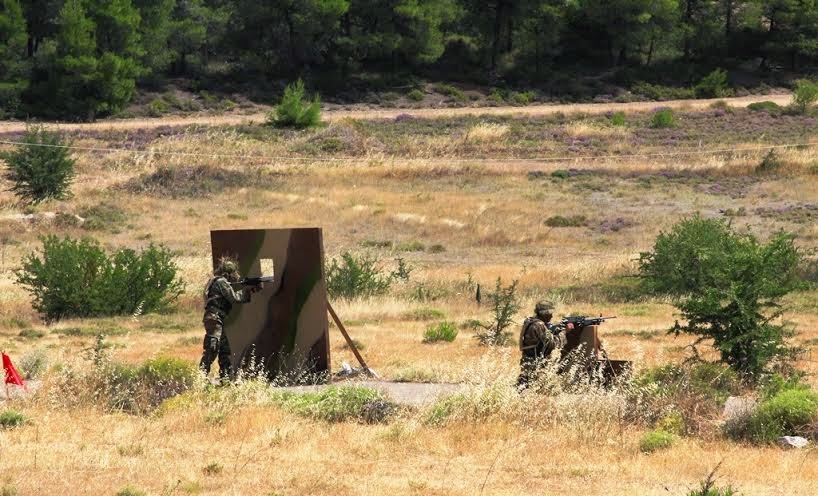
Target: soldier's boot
{"x":208,"y":354}
{"x":225,"y":366}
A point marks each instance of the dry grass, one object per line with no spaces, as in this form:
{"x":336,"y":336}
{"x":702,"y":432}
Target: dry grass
{"x":488,"y":215}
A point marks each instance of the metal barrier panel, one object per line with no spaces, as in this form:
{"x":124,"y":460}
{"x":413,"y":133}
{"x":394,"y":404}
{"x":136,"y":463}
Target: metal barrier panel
{"x":285,"y":326}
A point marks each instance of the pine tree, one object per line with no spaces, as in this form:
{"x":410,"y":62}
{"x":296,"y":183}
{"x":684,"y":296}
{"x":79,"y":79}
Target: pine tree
{"x":13,"y":64}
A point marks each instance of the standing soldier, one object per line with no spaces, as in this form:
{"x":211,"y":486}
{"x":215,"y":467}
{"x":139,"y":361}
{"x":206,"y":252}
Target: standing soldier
{"x":219,"y":297}
{"x":538,"y":338}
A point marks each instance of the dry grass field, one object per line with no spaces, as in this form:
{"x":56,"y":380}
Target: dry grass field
{"x":463,"y":199}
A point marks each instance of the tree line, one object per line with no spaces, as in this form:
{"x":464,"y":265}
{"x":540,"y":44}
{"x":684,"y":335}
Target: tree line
{"x":82,"y":59}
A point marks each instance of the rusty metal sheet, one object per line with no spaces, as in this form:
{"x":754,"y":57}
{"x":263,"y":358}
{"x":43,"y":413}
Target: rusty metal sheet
{"x":285,"y":326}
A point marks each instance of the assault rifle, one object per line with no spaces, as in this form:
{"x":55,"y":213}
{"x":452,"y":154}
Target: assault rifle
{"x":581,"y":321}
{"x":254,"y":281}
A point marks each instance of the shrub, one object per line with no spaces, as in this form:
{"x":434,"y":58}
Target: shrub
{"x":164,"y":377}
{"x":425,"y":314}
{"x":571,"y":221}
{"x":41,"y":168}
{"x":34,"y":363}
{"x":656,"y":440}
{"x":765,"y":106}
{"x":559,"y":174}
{"x":103,"y":217}
{"x":361,"y":276}
{"x":444,"y":331}
{"x":416,"y":95}
{"x":618,"y":119}
{"x":131,"y":491}
{"x":805,"y":94}
{"x":659,"y":92}
{"x":195,"y":181}
{"x":410,"y":246}
{"x":505,"y":305}
{"x":714,"y":85}
{"x":294,"y":111}
{"x":708,"y":487}
{"x":521,"y":98}
{"x":727,"y":286}
{"x":789,"y":412}
{"x":158,"y":107}
{"x":454,"y":93}
{"x":76,"y":278}
{"x":770,"y":163}
{"x":10,"y":419}
{"x":213,"y":468}
{"x":662,"y":119}
{"x":340,"y":404}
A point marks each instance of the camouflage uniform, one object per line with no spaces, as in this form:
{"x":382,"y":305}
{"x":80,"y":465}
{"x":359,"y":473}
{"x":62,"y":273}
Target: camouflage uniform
{"x":219,"y":298}
{"x":538,"y":339}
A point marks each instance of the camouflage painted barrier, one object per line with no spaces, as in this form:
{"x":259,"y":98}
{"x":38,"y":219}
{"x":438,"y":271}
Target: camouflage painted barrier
{"x":284,"y":328}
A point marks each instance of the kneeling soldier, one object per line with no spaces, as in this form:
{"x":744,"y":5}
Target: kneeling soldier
{"x":538,"y":339}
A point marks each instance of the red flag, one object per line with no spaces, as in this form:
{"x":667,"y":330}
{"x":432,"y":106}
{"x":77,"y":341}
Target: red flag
{"x":12,"y":376}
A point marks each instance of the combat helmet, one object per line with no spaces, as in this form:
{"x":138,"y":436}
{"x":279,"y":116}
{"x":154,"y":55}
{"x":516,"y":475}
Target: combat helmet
{"x":544,"y":308}
{"x":227,"y":267}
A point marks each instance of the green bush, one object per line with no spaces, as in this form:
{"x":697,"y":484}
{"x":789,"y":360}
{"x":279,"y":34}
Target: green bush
{"x":521,"y":98}
{"x":561,"y":174}
{"x":571,"y":221}
{"x":340,"y":404}
{"x":158,"y":107}
{"x":659,"y":92}
{"x":444,"y":331}
{"x":103,"y":217}
{"x":714,"y":85}
{"x":77,"y":278}
{"x":41,"y":168}
{"x":361,"y":276}
{"x":770,"y":163}
{"x":662,"y":119}
{"x":787,"y":413}
{"x":163,"y":377}
{"x":733,"y":295}
{"x":294,"y":110}
{"x":416,"y":95}
{"x":765,"y":106}
{"x":10,"y":419}
{"x":425,"y":313}
{"x":805,"y":94}
{"x":454,"y":93}
{"x":618,"y":119}
{"x":131,"y":491}
{"x":656,"y":440}
{"x":505,"y":305}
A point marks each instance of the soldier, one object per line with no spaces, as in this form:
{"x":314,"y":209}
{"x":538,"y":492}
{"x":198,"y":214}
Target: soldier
{"x":538,"y":338}
{"x":219,"y":297}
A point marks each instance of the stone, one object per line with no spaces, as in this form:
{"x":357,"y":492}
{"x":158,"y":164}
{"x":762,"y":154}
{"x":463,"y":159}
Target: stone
{"x":737,"y":407}
{"x":793,"y":442}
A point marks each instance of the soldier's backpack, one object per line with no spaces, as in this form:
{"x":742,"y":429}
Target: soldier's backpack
{"x":523,"y":329}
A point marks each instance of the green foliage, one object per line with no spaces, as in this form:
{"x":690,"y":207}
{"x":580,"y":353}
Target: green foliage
{"x":41,"y":168}
{"x":656,"y":440}
{"x":102,"y":217}
{"x":454,"y":93}
{"x":158,"y":107}
{"x":561,"y":174}
{"x":521,"y":98}
{"x":618,"y":119}
{"x":504,"y":304}
{"x":662,"y":119}
{"x":131,"y":491}
{"x":727,"y":286}
{"x":765,"y":106}
{"x":294,"y":110}
{"x":659,"y":92}
{"x":416,"y":95}
{"x":571,"y":221}
{"x":770,"y":163}
{"x":76,"y":278}
{"x":340,"y":404}
{"x":10,"y":419}
{"x":425,"y":313}
{"x":789,"y":412}
{"x":443,"y":331}
{"x":361,"y":276}
{"x":805,"y":94}
{"x":714,"y":85}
